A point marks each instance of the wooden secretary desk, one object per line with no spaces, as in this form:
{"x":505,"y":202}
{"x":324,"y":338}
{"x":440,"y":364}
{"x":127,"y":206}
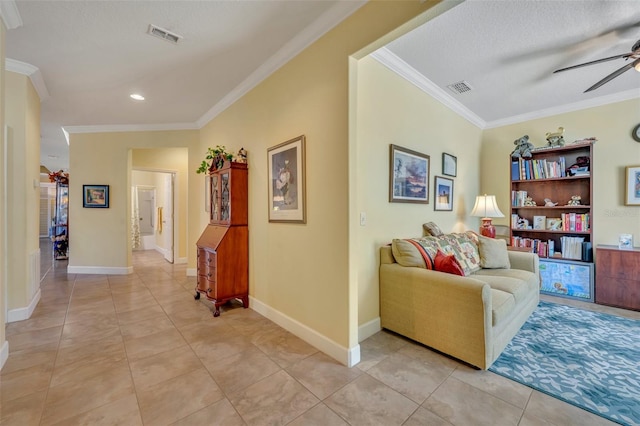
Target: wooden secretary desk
{"x":223,"y":247}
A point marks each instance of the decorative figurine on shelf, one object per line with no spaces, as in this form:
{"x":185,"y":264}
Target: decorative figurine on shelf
{"x":241,"y":156}
{"x":529,"y":201}
{"x":575,"y":200}
{"x":549,"y":203}
{"x":522,"y":223}
{"x":556,"y":139}
{"x":523,"y":147}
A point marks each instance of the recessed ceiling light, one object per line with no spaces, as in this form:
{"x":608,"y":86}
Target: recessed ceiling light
{"x":137,"y":96}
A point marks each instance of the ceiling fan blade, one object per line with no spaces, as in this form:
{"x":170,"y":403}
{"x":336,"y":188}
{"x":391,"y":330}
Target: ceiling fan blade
{"x":597,"y":61}
{"x":613,"y":75}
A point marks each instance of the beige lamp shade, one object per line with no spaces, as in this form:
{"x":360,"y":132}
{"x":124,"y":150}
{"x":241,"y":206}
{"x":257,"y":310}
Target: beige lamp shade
{"x":486,"y":206}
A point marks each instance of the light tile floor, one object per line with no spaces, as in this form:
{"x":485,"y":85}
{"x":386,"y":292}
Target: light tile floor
{"x":138,"y":349}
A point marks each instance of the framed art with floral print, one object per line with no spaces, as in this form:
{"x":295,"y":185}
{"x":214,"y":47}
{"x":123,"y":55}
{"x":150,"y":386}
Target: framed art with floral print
{"x":286,"y":168}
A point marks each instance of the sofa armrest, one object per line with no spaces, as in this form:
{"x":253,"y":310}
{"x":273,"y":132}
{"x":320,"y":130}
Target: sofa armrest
{"x":447,"y":312}
{"x":524,"y":261}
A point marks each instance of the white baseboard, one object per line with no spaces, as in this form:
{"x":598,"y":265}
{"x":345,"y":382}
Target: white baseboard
{"x":20,"y":314}
{"x":163,"y":251}
{"x":100,"y":270}
{"x":4,"y":354}
{"x":192,"y":272}
{"x":368,"y":329}
{"x":180,"y":260}
{"x":346,"y":356}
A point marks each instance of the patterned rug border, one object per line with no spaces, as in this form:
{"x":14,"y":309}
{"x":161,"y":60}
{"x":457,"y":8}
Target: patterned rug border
{"x":615,"y":318}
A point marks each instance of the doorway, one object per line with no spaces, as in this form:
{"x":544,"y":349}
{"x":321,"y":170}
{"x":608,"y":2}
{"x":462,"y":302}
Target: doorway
{"x":152,"y":217}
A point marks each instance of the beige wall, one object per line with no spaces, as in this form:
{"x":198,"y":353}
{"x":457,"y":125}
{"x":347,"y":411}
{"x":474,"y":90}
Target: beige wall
{"x":105,"y":158}
{"x":302,"y":271}
{"x":4,"y":348}
{"x":23,"y":197}
{"x":171,"y":160}
{"x":615,"y":150}
{"x":393,"y":111}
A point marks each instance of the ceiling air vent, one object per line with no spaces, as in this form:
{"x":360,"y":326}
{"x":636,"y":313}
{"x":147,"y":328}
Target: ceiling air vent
{"x":164,"y":34}
{"x":460,"y":87}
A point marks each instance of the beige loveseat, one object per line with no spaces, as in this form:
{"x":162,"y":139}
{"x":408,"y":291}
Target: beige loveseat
{"x":472,"y":317}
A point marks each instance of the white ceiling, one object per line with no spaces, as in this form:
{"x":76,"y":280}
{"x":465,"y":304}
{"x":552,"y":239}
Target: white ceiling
{"x":90,"y":55}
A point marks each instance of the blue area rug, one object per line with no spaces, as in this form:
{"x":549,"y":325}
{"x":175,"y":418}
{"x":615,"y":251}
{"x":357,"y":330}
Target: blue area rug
{"x":588,"y":359}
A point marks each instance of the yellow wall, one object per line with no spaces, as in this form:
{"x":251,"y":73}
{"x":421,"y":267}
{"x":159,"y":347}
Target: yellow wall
{"x":170,"y":160}
{"x":391,"y":110}
{"x":302,"y":271}
{"x":104,"y":235}
{"x":615,"y":150}
{"x":23,"y":198}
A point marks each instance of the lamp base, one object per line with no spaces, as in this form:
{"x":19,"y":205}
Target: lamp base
{"x":487,"y":229}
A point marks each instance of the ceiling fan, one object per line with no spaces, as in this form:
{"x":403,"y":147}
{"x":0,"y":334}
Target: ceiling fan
{"x":634,"y":54}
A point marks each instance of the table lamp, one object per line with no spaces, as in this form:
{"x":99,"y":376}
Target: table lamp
{"x":486,"y":207}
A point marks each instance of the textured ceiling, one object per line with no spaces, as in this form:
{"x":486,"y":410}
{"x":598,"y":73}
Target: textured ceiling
{"x":92,"y":54}
{"x":507,"y":52}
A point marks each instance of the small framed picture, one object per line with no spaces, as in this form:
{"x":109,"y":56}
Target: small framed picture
{"x":554,"y":224}
{"x":539,"y":222}
{"x":625,"y":242}
{"x":443,"y":194}
{"x":408,"y":176}
{"x":632,"y":186}
{"x":449,"y":164}
{"x":95,"y":196}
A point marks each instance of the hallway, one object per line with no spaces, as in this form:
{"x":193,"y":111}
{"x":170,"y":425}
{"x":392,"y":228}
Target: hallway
{"x":138,"y":349}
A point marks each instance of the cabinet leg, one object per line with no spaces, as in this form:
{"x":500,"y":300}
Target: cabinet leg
{"x":216,"y":313}
{"x":197,"y":295}
{"x":245,"y":302}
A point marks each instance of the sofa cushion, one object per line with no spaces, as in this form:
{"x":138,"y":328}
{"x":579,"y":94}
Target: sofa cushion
{"x":406,"y":254}
{"x":447,"y":263}
{"x":493,"y":253}
{"x":503,"y":304}
{"x":515,"y":281}
{"x":431,"y":229}
{"x":464,"y":249}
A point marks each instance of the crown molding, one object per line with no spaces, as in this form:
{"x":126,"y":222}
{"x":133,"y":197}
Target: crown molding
{"x":328,"y":20}
{"x":397,"y":65}
{"x":108,"y":128}
{"x":30,"y":71}
{"x":563,"y":109}
{"x":400,"y":67}
{"x":10,"y":15}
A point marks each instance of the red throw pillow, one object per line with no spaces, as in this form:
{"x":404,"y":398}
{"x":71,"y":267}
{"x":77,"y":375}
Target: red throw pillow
{"x":448,"y":264}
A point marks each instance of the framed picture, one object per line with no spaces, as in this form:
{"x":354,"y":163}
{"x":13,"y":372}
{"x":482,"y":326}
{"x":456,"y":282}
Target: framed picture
{"x":554,"y":224}
{"x":632,"y":186}
{"x":539,"y":222}
{"x":408,"y":176}
{"x":95,"y":196}
{"x":286,"y":168}
{"x":449,"y":164}
{"x":625,"y":241}
{"x":443,"y":193}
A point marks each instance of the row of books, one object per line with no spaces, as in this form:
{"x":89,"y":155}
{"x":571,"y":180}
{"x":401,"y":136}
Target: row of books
{"x":570,"y":222}
{"x":523,"y":169}
{"x":542,"y":248}
{"x":571,"y":247}
{"x":578,"y":222}
{"x":517,"y":198}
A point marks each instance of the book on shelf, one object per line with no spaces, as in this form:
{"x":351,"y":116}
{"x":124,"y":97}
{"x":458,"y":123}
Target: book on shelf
{"x":571,"y":247}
